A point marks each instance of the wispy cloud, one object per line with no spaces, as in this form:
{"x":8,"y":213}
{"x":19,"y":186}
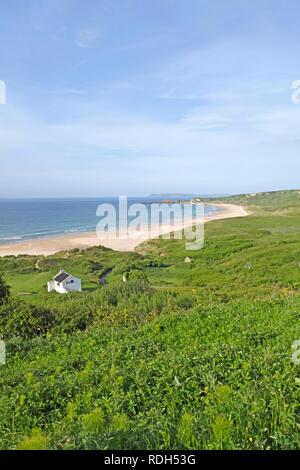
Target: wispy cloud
{"x":85,"y":38}
{"x":197,"y":97}
{"x":68,"y":91}
{"x":175,"y":95}
{"x":208,"y":142}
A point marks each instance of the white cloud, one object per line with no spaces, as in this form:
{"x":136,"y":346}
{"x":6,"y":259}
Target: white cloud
{"x":68,"y":91}
{"x":222,"y":148}
{"x":85,"y":38}
{"x":175,"y":95}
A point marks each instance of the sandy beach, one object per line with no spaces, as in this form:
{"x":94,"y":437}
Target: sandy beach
{"x":49,"y":246}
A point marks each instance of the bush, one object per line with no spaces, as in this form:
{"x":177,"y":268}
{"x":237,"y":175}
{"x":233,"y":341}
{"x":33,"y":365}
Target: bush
{"x":4,"y":290}
{"x":20,"y":320}
{"x":136,"y":275}
{"x":185,"y":302}
{"x":36,"y":441}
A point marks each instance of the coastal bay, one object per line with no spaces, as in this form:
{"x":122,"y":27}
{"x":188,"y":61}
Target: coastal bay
{"x":81,"y":240}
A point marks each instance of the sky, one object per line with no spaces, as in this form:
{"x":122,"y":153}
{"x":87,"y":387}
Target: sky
{"x":134,"y":97}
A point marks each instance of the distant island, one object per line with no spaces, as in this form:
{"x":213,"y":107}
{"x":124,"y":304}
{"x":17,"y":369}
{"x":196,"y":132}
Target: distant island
{"x":187,"y":196}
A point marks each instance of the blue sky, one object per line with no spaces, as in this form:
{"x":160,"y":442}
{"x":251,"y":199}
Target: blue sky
{"x":108,"y":97}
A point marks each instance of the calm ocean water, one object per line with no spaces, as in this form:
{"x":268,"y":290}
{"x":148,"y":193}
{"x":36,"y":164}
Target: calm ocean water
{"x":42,"y":218}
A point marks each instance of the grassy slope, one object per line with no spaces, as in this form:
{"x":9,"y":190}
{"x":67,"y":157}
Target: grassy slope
{"x":251,"y":256}
{"x":213,"y":373}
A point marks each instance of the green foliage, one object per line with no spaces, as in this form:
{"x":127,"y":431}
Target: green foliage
{"x":19,"y":320}
{"x":36,"y":441}
{"x":4,"y":290}
{"x":221,"y":431}
{"x":120,"y":423}
{"x":93,"y":422}
{"x":212,"y":378}
{"x":183,"y":355}
{"x":186,"y":430}
{"x":136,"y":274}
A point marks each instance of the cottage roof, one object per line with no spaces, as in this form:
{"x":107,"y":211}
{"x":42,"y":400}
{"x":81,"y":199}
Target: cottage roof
{"x":61,"y":276}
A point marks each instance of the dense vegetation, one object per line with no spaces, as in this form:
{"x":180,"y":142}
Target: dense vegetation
{"x":182,"y":355}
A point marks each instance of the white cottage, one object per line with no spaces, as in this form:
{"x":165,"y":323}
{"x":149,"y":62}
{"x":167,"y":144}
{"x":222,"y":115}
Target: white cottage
{"x":64,"y":283}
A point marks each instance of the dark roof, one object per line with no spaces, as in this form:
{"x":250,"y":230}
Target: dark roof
{"x":61,"y":277}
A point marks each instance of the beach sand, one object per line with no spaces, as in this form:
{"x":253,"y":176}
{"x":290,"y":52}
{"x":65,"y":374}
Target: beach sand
{"x":49,"y":246}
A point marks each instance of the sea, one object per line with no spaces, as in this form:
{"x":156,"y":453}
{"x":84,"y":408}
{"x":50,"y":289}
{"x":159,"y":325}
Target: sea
{"x":28,"y":219}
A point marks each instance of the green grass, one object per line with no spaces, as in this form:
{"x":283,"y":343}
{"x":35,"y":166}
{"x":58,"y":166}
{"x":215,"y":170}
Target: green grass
{"x":194,"y":356}
{"x":32,"y":286}
{"x":222,"y":363}
{"x":28,"y":275}
{"x":31,"y":283}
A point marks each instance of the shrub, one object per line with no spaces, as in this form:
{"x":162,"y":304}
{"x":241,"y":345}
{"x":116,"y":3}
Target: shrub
{"x":120,"y":423}
{"x":93,"y":422}
{"x":4,"y":290}
{"x":20,"y":320}
{"x":36,"y":441}
{"x":186,"y":430}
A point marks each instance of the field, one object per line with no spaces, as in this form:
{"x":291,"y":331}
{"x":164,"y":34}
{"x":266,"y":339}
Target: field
{"x":183,"y":355}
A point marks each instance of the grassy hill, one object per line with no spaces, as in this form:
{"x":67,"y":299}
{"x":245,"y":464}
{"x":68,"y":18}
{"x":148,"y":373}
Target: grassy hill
{"x":184,"y":355}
